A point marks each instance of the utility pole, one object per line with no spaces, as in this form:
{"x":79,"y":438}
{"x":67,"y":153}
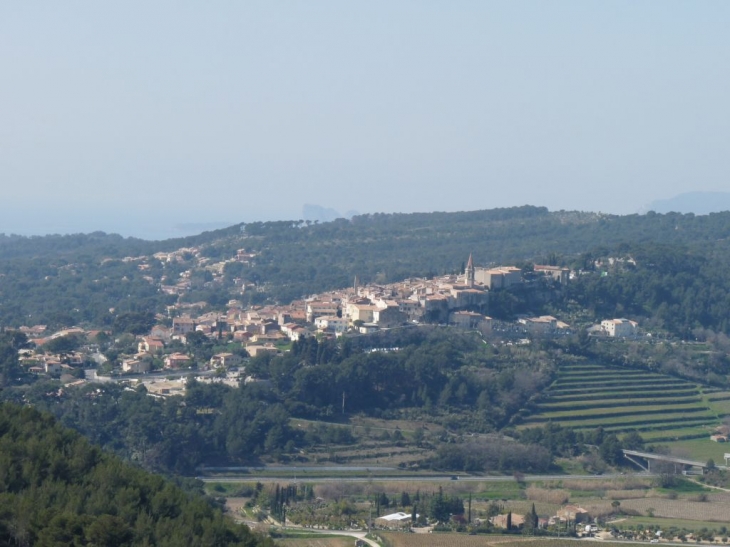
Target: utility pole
{"x":343,"y":402}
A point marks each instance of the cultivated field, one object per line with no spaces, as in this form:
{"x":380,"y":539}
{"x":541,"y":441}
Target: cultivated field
{"x":317,"y":542}
{"x":661,"y":408}
{"x":459,"y":540}
{"x":680,"y":509}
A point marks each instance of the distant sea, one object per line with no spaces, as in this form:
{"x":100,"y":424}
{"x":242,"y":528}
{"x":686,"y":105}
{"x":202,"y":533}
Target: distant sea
{"x":143,"y":226}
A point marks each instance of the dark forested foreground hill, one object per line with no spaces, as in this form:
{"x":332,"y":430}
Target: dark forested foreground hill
{"x":57,"y":489}
{"x":62,"y":280}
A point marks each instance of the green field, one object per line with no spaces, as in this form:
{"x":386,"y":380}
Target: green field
{"x":701,"y":449}
{"x":720,"y":403}
{"x":661,"y":408}
{"x":665,"y":523}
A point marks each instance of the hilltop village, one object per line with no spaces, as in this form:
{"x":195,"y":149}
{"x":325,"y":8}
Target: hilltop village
{"x":459,"y":300}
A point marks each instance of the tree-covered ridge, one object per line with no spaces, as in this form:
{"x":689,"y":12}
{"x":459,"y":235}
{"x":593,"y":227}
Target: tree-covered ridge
{"x":677,"y":288}
{"x":441,"y":375}
{"x":57,"y":489}
{"x":296,"y":260}
{"x":84,"y":279}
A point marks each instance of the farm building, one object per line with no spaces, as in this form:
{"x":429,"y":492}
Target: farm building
{"x":500,"y":521}
{"x":573,"y":513}
{"x":395,"y":520}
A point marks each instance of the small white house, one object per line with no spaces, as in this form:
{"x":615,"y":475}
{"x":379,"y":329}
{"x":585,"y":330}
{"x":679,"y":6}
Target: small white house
{"x":395,"y":520}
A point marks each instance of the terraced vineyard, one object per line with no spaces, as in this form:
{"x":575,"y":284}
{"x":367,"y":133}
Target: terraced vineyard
{"x":661,"y":408}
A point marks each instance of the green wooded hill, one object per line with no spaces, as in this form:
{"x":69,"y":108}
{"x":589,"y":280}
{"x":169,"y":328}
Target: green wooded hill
{"x":659,"y":407}
{"x":57,"y":489}
{"x":680,"y":277}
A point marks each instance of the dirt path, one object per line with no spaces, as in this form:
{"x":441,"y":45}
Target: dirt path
{"x":709,"y":485}
{"x":233,"y":506}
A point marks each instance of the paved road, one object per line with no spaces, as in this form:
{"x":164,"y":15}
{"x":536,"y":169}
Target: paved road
{"x":423,"y":478}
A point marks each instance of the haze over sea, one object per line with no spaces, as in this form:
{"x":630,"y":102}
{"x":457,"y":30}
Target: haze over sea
{"x":147,"y":117}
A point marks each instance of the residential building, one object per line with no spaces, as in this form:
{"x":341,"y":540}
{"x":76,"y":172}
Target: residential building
{"x":136,"y":366}
{"x":318,"y":309}
{"x":183,"y":325}
{"x":498,"y":278}
{"x":225,"y":360}
{"x":619,"y":328}
{"x":465,"y":319}
{"x":176,"y":360}
{"x":500,"y":521}
{"x":331,"y":323}
{"x":561,"y":275}
{"x":256,"y":349}
{"x":149,"y":344}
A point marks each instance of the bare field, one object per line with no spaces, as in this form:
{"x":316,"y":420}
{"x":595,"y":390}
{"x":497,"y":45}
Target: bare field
{"x":681,"y":509}
{"x":317,"y":542}
{"x":460,"y":540}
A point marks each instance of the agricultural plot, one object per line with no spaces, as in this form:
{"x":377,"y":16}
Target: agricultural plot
{"x":393,"y":539}
{"x":661,"y":408}
{"x":680,"y":509}
{"x":720,"y":403}
{"x":317,"y":542}
{"x":677,"y":436}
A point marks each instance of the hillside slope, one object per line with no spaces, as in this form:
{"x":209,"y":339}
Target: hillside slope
{"x":57,"y":489}
{"x":64,"y":280}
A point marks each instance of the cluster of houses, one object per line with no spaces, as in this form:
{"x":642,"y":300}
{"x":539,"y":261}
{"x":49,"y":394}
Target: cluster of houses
{"x":458,"y":300}
{"x":47,"y":362}
{"x":453,"y":299}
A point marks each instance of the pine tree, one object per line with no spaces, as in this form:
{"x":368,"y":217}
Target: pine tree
{"x":405,"y":499}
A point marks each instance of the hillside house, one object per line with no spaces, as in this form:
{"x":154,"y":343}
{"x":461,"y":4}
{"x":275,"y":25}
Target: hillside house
{"x":500,"y":521}
{"x":561,"y":275}
{"x":150,"y":345}
{"x":255,"y":349}
{"x":545,"y":324}
{"x":135,"y":366}
{"x":573,"y":513}
{"x":465,"y":319}
{"x":331,"y":323}
{"x":225,"y":360}
{"x":52,"y":366}
{"x":619,"y":328}
{"x":176,"y":360}
{"x":361,"y":312}
{"x":183,"y":325}
{"x":161,"y":332}
{"x":318,"y":309}
{"x":387,"y":314}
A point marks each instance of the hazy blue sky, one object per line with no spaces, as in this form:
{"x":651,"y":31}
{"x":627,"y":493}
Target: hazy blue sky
{"x":138,"y":116}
